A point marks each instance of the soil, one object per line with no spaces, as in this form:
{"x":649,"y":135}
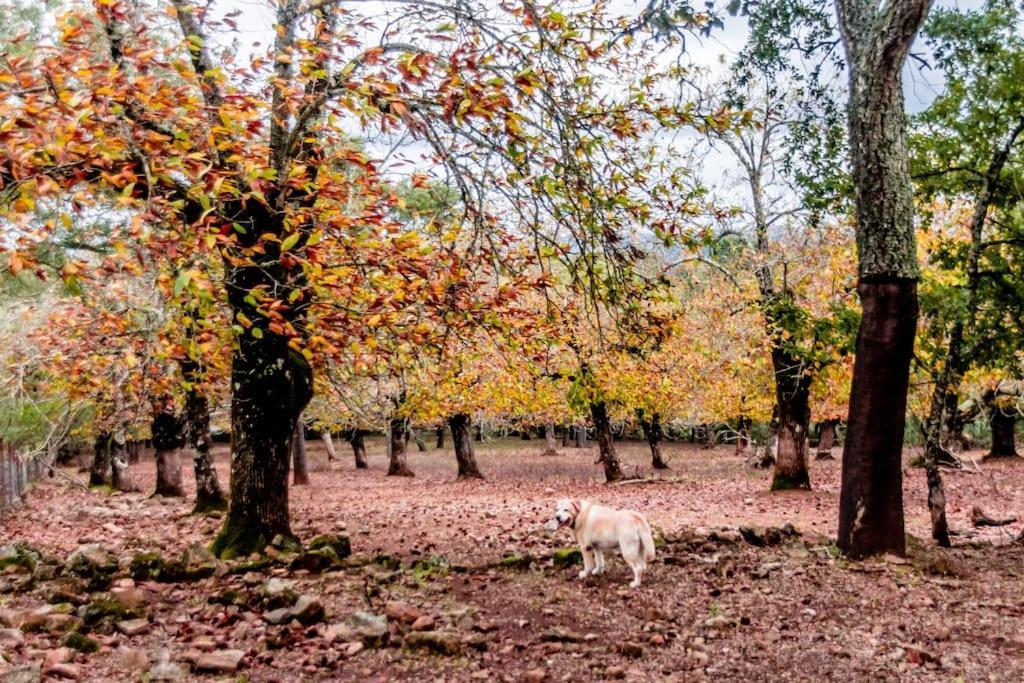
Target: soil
{"x":708,"y":610}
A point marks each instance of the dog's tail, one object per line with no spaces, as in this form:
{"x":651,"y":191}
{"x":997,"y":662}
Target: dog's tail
{"x":646,"y":539}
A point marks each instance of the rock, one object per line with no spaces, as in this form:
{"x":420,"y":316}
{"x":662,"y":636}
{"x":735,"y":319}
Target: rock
{"x":438,"y":642}
{"x":402,"y":611}
{"x":278,"y":593}
{"x":59,"y":655}
{"x":615,"y":672}
{"x":339,"y":544}
{"x":557,"y":634}
{"x":516,"y":562}
{"x":424,"y":623}
{"x":35,"y":620}
{"x":112,"y":606}
{"x":20,"y":555}
{"x":80,"y":642}
{"x":725,"y":536}
{"x":370,"y":629}
{"x":317,"y":560}
{"x":94,"y":563}
{"x":150,"y":566}
{"x":63,"y":670}
{"x":764,"y":570}
{"x":567,"y":557}
{"x":10,"y":618}
{"x":129,"y":597}
{"x":630,"y":649}
{"x":278,"y":616}
{"x":133,"y":627}
{"x":199,"y":562}
{"x":657,"y":639}
{"x":11,"y":638}
{"x":719,"y":621}
{"x":132,"y":658}
{"x":352,"y":649}
{"x":62,"y":623}
{"x":308,"y":610}
{"x":22,"y":674}
{"x":221,"y":661}
{"x":535,"y":676}
{"x":167,"y":671}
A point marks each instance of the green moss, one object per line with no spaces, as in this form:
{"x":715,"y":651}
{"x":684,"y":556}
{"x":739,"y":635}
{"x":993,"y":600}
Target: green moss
{"x":257,"y":565}
{"x":516,"y":562}
{"x":239,"y":539}
{"x":781,"y":482}
{"x":106,"y":607}
{"x":82,"y":643}
{"x":388,"y":562}
{"x":336,"y":542}
{"x":429,"y":568}
{"x":567,"y":557}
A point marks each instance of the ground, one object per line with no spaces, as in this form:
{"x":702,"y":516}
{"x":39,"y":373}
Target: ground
{"x":713,"y":606}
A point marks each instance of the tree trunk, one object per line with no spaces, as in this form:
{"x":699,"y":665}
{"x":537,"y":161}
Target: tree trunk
{"x":417,"y":438}
{"x":566,"y":435}
{"x":743,"y":425}
{"x":271,"y":385}
{"x":209,"y":495}
{"x":605,"y":443}
{"x":168,"y":431}
{"x":652,"y":432}
{"x":581,"y":434}
{"x":877,"y":39}
{"x":134,"y":450}
{"x":439,"y":443}
{"x":120,"y":474}
{"x":328,"y":440}
{"x":792,"y":395}
{"x":524,"y":434}
{"x":464,"y":455}
{"x":300,"y":462}
{"x":1003,"y":423}
{"x":99,"y":471}
{"x":358,"y":447}
{"x":480,"y":433}
{"x":826,"y":439}
{"x":398,"y":435}
{"x":550,"y":439}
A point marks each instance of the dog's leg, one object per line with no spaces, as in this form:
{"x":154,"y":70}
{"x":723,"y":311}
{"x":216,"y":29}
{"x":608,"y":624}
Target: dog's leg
{"x":598,"y":561}
{"x":638,"y":576}
{"x":588,"y":562}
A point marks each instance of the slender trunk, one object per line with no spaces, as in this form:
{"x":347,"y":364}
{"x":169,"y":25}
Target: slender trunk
{"x":550,"y":439}
{"x":439,"y":443}
{"x":209,"y":494}
{"x":99,"y":471}
{"x":480,"y":433}
{"x":421,"y":445}
{"x":581,"y":434}
{"x":743,"y":425}
{"x":300,"y":461}
{"x":120,"y":474}
{"x":933,"y":450}
{"x":134,"y":450}
{"x":826,"y":439}
{"x":566,"y":435}
{"x":605,"y":443}
{"x":168,"y":431}
{"x":328,"y":445}
{"x":652,"y":432}
{"x":524,"y":434}
{"x":356,"y":438}
{"x":1003,"y":424}
{"x":398,"y":435}
{"x":464,"y":456}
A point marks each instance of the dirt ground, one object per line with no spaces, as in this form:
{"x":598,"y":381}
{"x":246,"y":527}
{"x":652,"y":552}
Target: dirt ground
{"x":713,"y":607}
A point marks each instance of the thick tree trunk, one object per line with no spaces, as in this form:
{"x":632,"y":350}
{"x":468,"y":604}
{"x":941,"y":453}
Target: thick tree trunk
{"x":398,"y":438}
{"x":877,"y":39}
{"x":550,"y":440}
{"x":356,"y":438}
{"x":605,"y":443}
{"x":300,"y":462}
{"x":209,"y":494}
{"x":328,"y":440}
{"x":168,"y":439}
{"x":581,"y":434}
{"x":792,"y":394}
{"x":439,"y":442}
{"x":1003,"y":423}
{"x":652,"y":432}
{"x":826,"y":439}
{"x":99,"y":471}
{"x":464,"y":456}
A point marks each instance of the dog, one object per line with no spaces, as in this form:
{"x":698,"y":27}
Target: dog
{"x":598,"y":528}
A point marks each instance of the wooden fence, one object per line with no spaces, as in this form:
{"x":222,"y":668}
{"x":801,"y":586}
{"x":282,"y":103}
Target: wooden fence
{"x":17,"y":473}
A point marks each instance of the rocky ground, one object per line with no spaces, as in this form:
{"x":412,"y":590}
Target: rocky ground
{"x":458,"y":581}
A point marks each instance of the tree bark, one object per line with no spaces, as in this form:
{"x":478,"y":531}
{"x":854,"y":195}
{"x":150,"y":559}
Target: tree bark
{"x":464,"y":456}
{"x":209,"y":494}
{"x":356,"y":438}
{"x":792,"y":396}
{"x":581,"y":434}
{"x":480,"y":433}
{"x":328,"y":440}
{"x":743,"y":425}
{"x":168,"y":431}
{"x":300,"y":462}
{"x":99,"y":471}
{"x":439,"y":443}
{"x":653,"y":433}
{"x":826,"y":439}
{"x":398,"y":435}
{"x":566,"y":435}
{"x":550,"y":439}
{"x":134,"y":451}
{"x":605,"y":443}
{"x":1003,"y":423}
{"x":877,"y":39}
{"x":421,"y":445}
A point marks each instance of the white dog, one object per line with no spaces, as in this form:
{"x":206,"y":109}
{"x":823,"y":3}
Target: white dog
{"x":598,"y":528}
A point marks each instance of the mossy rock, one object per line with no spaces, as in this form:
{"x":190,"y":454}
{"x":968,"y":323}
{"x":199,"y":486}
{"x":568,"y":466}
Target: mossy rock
{"x":388,"y":562}
{"x":229,"y":596}
{"x":567,"y":557}
{"x":106,"y":607}
{"x":315,"y":560}
{"x":198,"y":563}
{"x":151,"y":566}
{"x":94,"y":563}
{"x":429,"y":568}
{"x":261,"y":564}
{"x":80,"y":642}
{"x":21,"y":555}
{"x":516,"y":562}
{"x":341,"y":546}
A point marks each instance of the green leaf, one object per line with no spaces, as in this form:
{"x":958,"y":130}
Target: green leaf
{"x":182,"y":282}
{"x":290,"y":241}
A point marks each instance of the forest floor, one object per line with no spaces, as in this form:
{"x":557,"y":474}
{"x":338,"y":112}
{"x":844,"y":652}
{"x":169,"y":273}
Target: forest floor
{"x":713,"y":606}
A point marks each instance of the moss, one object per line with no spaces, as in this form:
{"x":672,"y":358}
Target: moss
{"x":781,"y":482}
{"x":567,"y":557}
{"x":257,"y":565}
{"x":106,"y":607}
{"x":82,"y":643}
{"x":388,"y":562}
{"x":239,"y":539}
{"x":341,"y":546}
{"x":429,"y":568}
{"x":516,"y":562}
{"x":228,"y":596}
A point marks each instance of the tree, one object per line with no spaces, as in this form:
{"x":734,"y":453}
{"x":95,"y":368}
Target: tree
{"x":877,"y":40}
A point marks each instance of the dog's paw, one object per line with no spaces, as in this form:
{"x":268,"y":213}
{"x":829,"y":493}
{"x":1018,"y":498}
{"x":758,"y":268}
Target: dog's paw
{"x":583,"y":574}
{"x":634,"y":584}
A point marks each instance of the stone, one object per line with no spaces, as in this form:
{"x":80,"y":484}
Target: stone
{"x":35,"y":620}
{"x":167,"y":671}
{"x":117,"y":605}
{"x":132,"y":658}
{"x":370,"y":629}
{"x":11,"y":638}
{"x":94,"y":563}
{"x":340,"y":544}
{"x":278,"y":593}
{"x":439,"y":642}
{"x":278,"y":616}
{"x":58,"y":655}
{"x":630,"y":649}
{"x":80,"y":642}
{"x":567,"y":557}
{"x":308,"y":610}
{"x":424,"y":623}
{"x":199,"y":562}
{"x":615,"y":672}
{"x":352,"y":649}
{"x":20,"y":555}
{"x":535,"y":676}
{"x":62,"y":623}
{"x":719,"y":621}
{"x":133,"y":627}
{"x":66,"y":671}
{"x":220,"y":661}
{"x":402,"y":611}
{"x":765,"y":570}
{"x":10,"y":618}
{"x":22,"y":674}
{"x":129,"y":597}
{"x":557,"y":634}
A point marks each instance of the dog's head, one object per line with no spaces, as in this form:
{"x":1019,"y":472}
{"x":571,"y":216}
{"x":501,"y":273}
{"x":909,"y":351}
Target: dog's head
{"x":566,"y":511}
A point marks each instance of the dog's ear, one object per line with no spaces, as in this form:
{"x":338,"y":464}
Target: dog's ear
{"x":574,"y":506}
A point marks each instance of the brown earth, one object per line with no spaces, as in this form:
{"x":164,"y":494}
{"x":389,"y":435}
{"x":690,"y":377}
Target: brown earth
{"x":708,"y":610}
